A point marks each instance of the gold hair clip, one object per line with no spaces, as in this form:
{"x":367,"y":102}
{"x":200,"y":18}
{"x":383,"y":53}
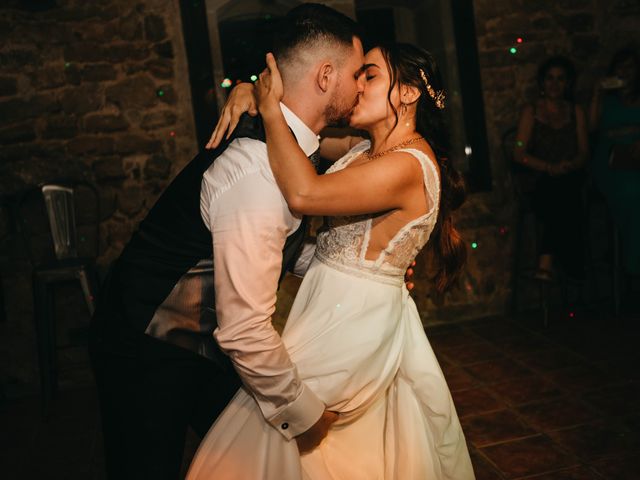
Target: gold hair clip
{"x":438,"y":97}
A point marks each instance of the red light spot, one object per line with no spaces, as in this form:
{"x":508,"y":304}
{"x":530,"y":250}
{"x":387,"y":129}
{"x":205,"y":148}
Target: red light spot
{"x":172,"y":133}
{"x":519,"y":40}
{"x":571,"y":314}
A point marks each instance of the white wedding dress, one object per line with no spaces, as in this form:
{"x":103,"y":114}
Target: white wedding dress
{"x":358,"y":343}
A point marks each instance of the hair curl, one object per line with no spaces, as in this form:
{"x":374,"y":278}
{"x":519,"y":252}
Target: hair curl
{"x":404,"y":63}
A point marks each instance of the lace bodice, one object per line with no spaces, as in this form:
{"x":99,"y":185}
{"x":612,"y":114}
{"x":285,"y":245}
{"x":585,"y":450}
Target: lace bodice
{"x":343,"y":245}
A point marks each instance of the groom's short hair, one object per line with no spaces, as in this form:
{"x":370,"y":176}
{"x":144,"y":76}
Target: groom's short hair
{"x":310,"y":27}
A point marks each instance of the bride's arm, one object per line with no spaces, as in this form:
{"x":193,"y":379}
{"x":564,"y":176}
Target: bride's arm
{"x":241,"y":100}
{"x":385,"y":184}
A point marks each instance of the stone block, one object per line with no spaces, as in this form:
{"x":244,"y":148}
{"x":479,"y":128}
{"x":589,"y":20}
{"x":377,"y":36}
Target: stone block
{"x":133,"y":92}
{"x":542,"y":22}
{"x":515,"y":24}
{"x":107,"y":201}
{"x":164,"y":49}
{"x":579,"y":22}
{"x":585,"y":46}
{"x":498,"y":79}
{"x":130,"y":201}
{"x":105,"y":123}
{"x":130,"y":27}
{"x":85,"y":51}
{"x":17,"y":133}
{"x":98,"y":72}
{"x":86,"y":145}
{"x":49,"y":77}
{"x":574,"y":4}
{"x":16,"y":109}
{"x":127,"y":51}
{"x":80,"y":100}
{"x":160,"y":68}
{"x":60,"y":127}
{"x":109,"y":168}
{"x":157,"y":167}
{"x":154,"y":28}
{"x":72,"y":73}
{"x":495,"y":58}
{"x":19,"y":58}
{"x":136,"y":144}
{"x":167,"y":94}
{"x":8,"y":86}
{"x":162,"y":118}
{"x":84,"y":11}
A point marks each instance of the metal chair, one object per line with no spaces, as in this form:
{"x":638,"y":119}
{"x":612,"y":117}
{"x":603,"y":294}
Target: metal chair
{"x":59,"y":223}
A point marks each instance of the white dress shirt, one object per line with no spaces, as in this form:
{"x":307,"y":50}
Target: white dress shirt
{"x":249,"y":221}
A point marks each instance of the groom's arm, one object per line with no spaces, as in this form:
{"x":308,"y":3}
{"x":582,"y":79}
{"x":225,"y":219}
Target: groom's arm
{"x":249,"y":224}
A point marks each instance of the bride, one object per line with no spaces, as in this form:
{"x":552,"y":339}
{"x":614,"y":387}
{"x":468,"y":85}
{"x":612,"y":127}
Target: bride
{"x":354,"y":332}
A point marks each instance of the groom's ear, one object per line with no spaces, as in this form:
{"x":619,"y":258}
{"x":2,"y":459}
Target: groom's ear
{"x":325,"y":76}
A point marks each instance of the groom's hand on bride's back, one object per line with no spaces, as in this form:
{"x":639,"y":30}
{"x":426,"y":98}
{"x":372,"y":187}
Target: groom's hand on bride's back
{"x":310,"y":439}
{"x":408,"y":275}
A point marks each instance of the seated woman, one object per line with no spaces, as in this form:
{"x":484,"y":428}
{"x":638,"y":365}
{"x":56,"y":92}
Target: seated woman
{"x":552,"y":143}
{"x":615,"y":119}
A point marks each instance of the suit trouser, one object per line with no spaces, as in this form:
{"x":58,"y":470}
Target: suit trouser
{"x":149,"y":395}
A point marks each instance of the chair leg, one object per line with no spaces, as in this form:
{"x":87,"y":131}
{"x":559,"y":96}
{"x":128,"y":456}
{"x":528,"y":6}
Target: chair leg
{"x":43,"y":309}
{"x":3,"y":312}
{"x":544,"y":303}
{"x":515,"y":274}
{"x":616,"y":273}
{"x":88,"y":286}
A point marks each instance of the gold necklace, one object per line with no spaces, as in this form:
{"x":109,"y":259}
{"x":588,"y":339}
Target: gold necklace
{"x":392,"y":149}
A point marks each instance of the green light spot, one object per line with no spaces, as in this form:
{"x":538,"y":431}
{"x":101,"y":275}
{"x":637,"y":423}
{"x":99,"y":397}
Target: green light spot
{"x":513,"y":50}
{"x":254,"y":78}
{"x":520,"y":143}
{"x":474,"y":245}
{"x":160,"y":93}
{"x":67,"y":65}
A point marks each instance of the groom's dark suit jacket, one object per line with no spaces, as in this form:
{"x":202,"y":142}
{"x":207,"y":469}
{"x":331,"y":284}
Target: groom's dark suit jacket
{"x":171,"y":243}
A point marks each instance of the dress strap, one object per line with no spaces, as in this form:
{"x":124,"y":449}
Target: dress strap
{"x":430,"y":174}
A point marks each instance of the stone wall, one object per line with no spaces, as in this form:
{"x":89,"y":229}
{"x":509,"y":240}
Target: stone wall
{"x":99,"y":90}
{"x":588,"y":32}
{"x":88,"y":90}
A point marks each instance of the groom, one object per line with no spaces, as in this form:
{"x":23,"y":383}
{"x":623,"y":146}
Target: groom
{"x":219,"y":229}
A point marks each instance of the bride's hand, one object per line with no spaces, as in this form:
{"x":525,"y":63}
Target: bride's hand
{"x":269,"y":88}
{"x":241,"y":99}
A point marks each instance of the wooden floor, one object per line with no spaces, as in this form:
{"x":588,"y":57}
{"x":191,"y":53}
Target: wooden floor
{"x":545,"y":404}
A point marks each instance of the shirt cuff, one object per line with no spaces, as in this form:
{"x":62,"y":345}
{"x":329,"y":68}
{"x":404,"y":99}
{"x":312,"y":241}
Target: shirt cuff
{"x":300,"y":415}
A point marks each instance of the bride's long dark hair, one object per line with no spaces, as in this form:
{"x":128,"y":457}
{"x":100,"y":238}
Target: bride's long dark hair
{"x":405,"y":63}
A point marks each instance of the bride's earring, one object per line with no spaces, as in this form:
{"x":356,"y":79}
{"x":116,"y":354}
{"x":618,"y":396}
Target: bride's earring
{"x":403,"y":113}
